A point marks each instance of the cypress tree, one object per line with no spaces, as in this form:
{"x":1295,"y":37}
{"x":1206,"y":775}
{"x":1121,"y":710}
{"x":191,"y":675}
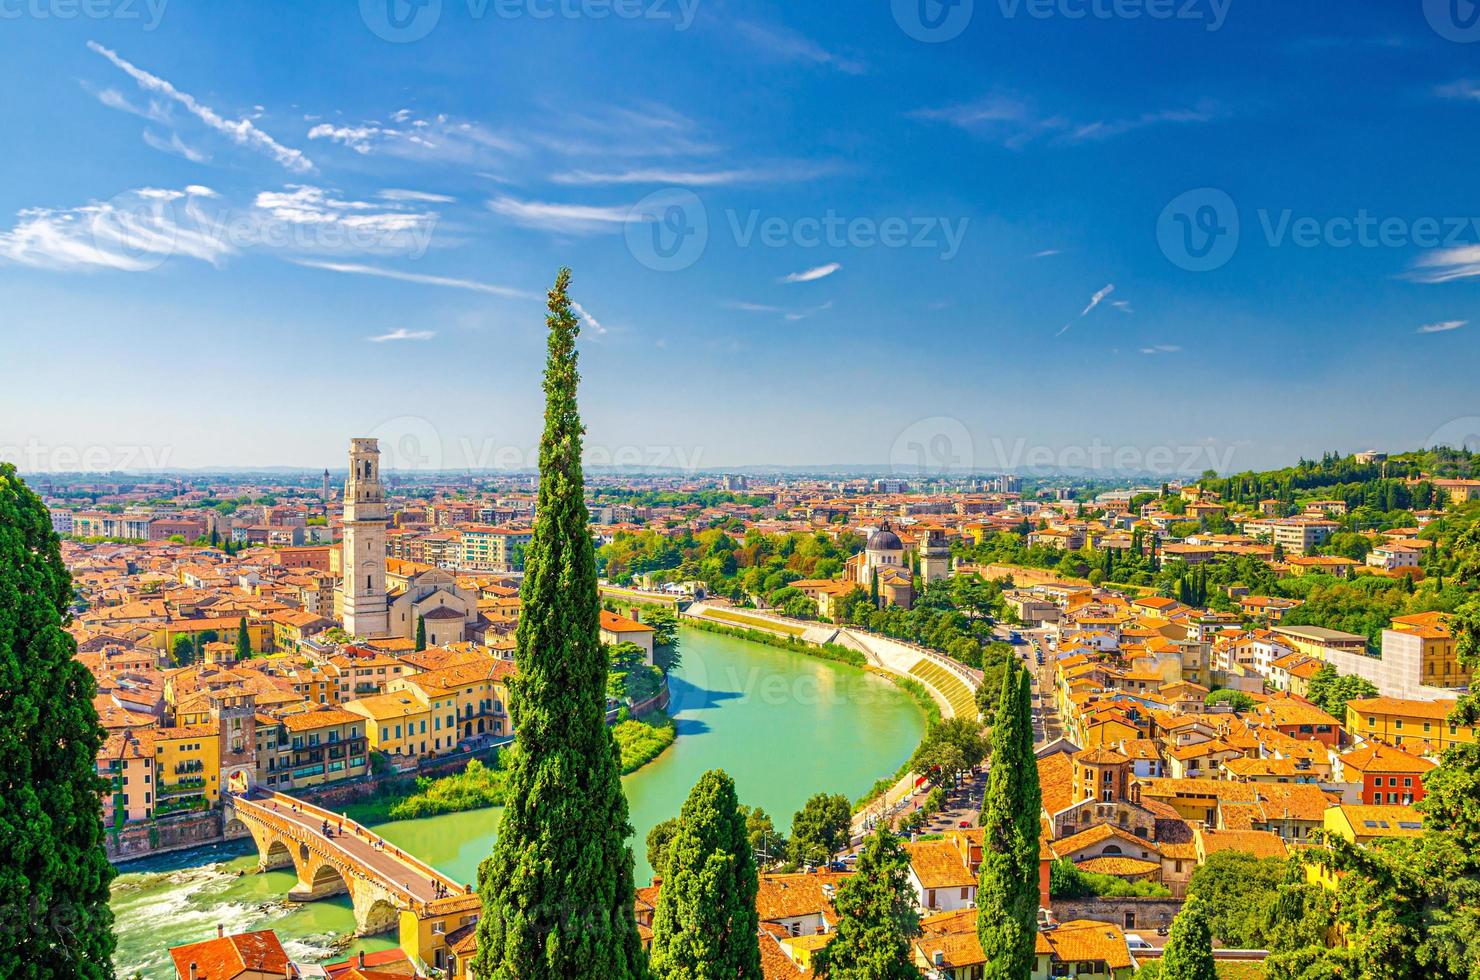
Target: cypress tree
{"x":706,"y":924}
{"x":1189,"y":950}
{"x":421,"y":632}
{"x":557,"y":890}
{"x":243,"y":640}
{"x":1007,"y":890}
{"x":876,"y":918}
{"x":53,"y":870}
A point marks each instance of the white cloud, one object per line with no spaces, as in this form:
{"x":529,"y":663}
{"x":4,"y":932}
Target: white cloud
{"x":1442,"y":326}
{"x":812,"y":275}
{"x":1097,"y":297}
{"x":351,"y":268}
{"x":1161,"y":349}
{"x":438,"y":138}
{"x":560,"y":217}
{"x":1465,"y":88}
{"x":176,"y":146}
{"x":401,"y":333}
{"x":690,"y":178}
{"x":241,"y":131}
{"x":791,"y":316}
{"x":789,"y":45}
{"x":1045,"y":253}
{"x":1015,"y":121}
{"x":419,"y":196}
{"x":132,"y":232}
{"x":1448,"y":264}
{"x":595,"y":323}
{"x":1123,"y":305}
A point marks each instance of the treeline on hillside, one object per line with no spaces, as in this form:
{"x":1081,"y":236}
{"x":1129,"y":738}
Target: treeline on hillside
{"x":1375,"y":484}
{"x":677,"y":498}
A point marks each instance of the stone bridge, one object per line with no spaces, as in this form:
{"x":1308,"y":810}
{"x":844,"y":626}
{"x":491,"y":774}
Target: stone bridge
{"x":381,"y":880}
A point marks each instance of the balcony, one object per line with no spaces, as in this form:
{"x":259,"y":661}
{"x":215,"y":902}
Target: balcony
{"x":190,"y":784}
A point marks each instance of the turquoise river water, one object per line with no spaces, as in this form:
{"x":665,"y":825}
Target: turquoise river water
{"x":784,"y":725}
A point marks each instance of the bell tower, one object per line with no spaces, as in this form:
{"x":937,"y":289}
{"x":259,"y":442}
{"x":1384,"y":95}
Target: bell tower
{"x":363,"y":586}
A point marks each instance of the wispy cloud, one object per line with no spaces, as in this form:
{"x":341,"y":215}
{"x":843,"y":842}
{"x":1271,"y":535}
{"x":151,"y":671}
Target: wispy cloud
{"x":243,"y":132}
{"x":1045,"y":253}
{"x":789,"y":45}
{"x":176,"y":146}
{"x":401,"y":333}
{"x":425,"y":280}
{"x":550,"y":216}
{"x":1094,"y":301}
{"x":1447,"y":264}
{"x":791,"y":316}
{"x":594,"y":323}
{"x":692,"y":178}
{"x":1097,"y":298}
{"x":1161,"y":349}
{"x":1442,"y":326}
{"x":1466,"y":89}
{"x":1016,"y":122}
{"x":420,"y":197}
{"x":812,"y":275}
{"x":440,"y":138}
{"x":1123,"y":305}
{"x":132,"y":232}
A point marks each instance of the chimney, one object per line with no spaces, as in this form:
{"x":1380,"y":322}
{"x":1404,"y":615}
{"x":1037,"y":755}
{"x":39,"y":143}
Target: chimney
{"x":360,"y":960}
{"x":192,"y":971}
{"x":220,"y":931}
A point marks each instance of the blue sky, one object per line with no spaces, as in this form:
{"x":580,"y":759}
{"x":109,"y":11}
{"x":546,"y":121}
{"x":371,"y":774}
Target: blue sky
{"x":239,"y":234}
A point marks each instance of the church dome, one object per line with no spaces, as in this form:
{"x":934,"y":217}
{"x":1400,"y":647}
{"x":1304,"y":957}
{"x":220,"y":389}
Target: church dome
{"x":884,"y":540}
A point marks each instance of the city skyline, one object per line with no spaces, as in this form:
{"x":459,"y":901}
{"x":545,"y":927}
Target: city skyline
{"x":880,"y":240}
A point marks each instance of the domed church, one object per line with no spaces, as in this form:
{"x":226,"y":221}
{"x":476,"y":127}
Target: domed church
{"x":883,"y":556}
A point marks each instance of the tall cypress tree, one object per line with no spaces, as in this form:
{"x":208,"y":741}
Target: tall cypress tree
{"x":53,"y":871}
{"x":876,"y":918}
{"x":1007,"y":891}
{"x":421,"y":632}
{"x":706,"y":922}
{"x":1189,"y":951}
{"x":243,"y":640}
{"x":557,"y":891}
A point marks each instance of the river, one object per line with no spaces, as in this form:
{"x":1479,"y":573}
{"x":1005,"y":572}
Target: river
{"x":783,"y":724}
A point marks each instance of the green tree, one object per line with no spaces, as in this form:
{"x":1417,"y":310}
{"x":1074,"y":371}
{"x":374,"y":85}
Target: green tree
{"x":767,"y":845}
{"x":705,"y":924}
{"x":53,"y":871}
{"x":658,"y":840}
{"x":421,"y":632}
{"x":1007,"y":890}
{"x":876,"y":918}
{"x":1238,"y":700}
{"x":243,"y":640}
{"x":1238,"y":890}
{"x":558,"y":888}
{"x":1331,"y":691}
{"x":1189,"y":949}
{"x":182,"y":652}
{"x":820,"y":829}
